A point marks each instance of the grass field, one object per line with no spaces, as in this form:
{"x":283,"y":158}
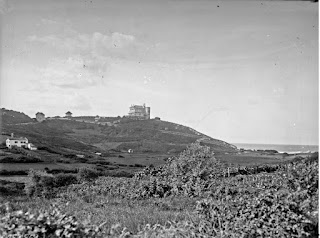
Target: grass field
{"x":16,"y":179}
{"x":252,"y":158}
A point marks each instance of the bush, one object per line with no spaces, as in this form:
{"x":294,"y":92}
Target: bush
{"x":61,"y":171}
{"x":87,"y":174}
{"x":49,"y":223}
{"x":64,"y":180}
{"x":20,"y":159}
{"x":11,"y":188}
{"x":45,"y":185}
{"x":118,"y":174}
{"x":15,"y":172}
{"x":41,"y":183}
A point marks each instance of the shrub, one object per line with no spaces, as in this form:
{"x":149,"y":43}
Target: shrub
{"x":11,"y":188}
{"x":87,"y":174}
{"x":45,"y":185}
{"x":20,"y":159}
{"x":64,"y":180}
{"x":49,"y":223}
{"x":41,"y":183}
{"x":61,"y":171}
{"x":15,"y":172}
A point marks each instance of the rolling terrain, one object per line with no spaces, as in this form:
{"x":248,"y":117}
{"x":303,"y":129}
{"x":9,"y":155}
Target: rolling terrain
{"x":106,"y":141}
{"x":82,"y":134}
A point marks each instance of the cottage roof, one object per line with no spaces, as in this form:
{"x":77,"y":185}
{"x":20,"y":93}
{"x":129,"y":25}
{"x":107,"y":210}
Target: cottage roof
{"x":17,"y":138}
{"x":39,"y":113}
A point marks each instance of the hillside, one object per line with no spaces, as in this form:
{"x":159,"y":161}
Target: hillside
{"x":13,"y":117}
{"x":83,"y":134}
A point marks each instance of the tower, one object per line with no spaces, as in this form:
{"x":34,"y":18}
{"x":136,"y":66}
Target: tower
{"x":147,"y":112}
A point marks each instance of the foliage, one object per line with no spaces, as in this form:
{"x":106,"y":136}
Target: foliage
{"x":5,"y":172}
{"x":10,"y":188}
{"x":257,"y":201}
{"x":87,"y":174}
{"x":44,"y":185}
{"x":20,"y":159}
{"x":45,"y":223}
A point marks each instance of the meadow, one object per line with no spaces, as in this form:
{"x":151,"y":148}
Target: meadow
{"x":192,"y":194}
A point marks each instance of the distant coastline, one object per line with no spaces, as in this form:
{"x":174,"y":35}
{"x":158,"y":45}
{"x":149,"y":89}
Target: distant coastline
{"x":292,"y":149}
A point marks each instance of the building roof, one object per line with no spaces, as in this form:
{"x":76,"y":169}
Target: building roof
{"x":137,"y":106}
{"x":17,"y":138}
{"x":68,"y":112}
{"x":38,"y":113}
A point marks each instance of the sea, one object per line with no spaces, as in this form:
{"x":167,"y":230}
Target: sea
{"x":292,"y":149}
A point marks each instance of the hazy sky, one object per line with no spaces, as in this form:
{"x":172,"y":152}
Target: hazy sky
{"x":240,"y":71}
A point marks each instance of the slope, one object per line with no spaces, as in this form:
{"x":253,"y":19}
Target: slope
{"x":122,"y":134}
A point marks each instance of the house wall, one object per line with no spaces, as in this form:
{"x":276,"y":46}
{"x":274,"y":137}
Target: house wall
{"x":139,"y":112}
{"x":18,"y":143}
{"x":31,"y":147}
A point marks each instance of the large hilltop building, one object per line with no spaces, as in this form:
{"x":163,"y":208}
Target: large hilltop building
{"x":139,"y":112}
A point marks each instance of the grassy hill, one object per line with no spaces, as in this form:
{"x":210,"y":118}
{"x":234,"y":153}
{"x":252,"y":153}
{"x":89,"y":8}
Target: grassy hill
{"x":82,"y":134}
{"x":13,"y":117}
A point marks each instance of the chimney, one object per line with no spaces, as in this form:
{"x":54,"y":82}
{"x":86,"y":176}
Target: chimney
{"x":11,"y":135}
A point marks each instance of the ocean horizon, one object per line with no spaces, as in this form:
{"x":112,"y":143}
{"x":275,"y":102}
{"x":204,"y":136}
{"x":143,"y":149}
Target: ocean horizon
{"x":278,"y":147}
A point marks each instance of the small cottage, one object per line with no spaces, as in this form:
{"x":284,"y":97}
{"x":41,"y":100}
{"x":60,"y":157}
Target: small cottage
{"x":40,"y":116}
{"x":68,"y":114}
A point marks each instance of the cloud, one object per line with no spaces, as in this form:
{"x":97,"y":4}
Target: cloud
{"x":5,"y":7}
{"x":82,"y":60}
{"x":73,"y":72}
{"x":96,"y":42}
{"x":79,"y":102}
{"x":253,"y":100}
{"x":47,"y":22}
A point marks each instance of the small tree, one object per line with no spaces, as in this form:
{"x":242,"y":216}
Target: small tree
{"x":196,"y":161}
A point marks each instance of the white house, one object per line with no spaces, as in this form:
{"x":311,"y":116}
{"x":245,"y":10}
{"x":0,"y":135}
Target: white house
{"x":18,"y":142}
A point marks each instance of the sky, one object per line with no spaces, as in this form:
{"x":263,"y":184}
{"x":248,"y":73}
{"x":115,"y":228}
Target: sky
{"x":239,"y":71}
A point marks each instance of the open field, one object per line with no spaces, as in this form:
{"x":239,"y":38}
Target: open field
{"x":41,"y":166}
{"x":139,"y":158}
{"x":16,"y":179}
{"x":251,"y":158}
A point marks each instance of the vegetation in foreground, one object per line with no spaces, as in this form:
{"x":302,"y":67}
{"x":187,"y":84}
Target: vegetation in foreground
{"x":192,"y":195}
